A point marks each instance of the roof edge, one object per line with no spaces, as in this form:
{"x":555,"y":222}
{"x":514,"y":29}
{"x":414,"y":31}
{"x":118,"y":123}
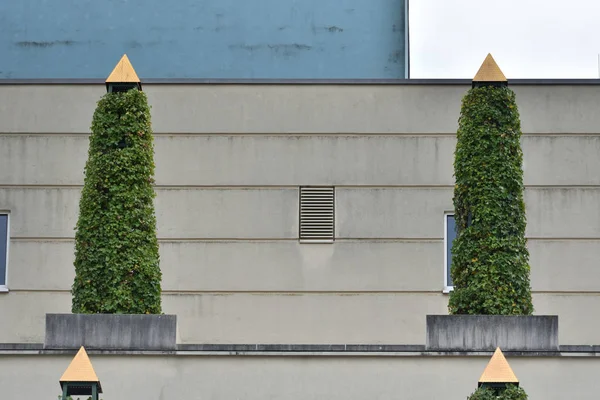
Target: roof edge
{"x":202,"y":81}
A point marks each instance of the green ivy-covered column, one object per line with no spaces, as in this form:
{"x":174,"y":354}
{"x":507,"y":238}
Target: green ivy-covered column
{"x":490,"y":261}
{"x":116,"y":250}
{"x":512,"y":392}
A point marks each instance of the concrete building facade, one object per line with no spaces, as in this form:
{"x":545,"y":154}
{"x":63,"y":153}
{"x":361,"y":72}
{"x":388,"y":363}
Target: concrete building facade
{"x":230,"y":161}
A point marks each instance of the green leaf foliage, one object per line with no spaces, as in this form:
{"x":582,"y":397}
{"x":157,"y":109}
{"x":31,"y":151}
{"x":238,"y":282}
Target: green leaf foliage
{"x":490,"y":261}
{"x":512,"y":392}
{"x":116,"y":250}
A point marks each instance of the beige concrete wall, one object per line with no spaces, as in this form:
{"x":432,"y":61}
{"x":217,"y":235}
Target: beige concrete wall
{"x":353,"y":266}
{"x":411,"y":109}
{"x":229,"y":160}
{"x":303,"y":318}
{"x":272,"y":213}
{"x":258,"y":378}
{"x":250,"y":160}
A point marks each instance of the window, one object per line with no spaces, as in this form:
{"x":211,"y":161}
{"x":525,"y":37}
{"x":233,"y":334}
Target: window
{"x":449,"y":236}
{"x":317,"y":214}
{"x":3,"y":249}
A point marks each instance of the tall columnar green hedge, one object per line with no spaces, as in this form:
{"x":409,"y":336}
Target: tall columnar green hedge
{"x":116,"y":250}
{"x":490,"y":261}
{"x":512,"y":392}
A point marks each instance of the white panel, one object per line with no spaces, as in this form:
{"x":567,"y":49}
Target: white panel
{"x":38,"y":212}
{"x":48,"y":108}
{"x":273,"y":213}
{"x":24,"y":313}
{"x":303,"y":318}
{"x":297,"y":160}
{"x":41,"y":265}
{"x":290,"y":266}
{"x":563,"y":212}
{"x":50,"y":160}
{"x":253,"y":266}
{"x":559,"y":108}
{"x":412,"y":109}
{"x":193,"y":213}
{"x":304,"y":160}
{"x":392,"y":212}
{"x":305,"y":108}
{"x":577,"y":322}
{"x":228,"y":213}
{"x":567,"y":265}
{"x":417,"y":213}
{"x":561,"y":160}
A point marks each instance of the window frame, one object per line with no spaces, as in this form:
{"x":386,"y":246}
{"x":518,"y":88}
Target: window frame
{"x":4,"y":286}
{"x":447,"y":288}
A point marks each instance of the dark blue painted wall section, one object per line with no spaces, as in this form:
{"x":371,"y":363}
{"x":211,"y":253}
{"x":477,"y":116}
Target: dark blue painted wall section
{"x":280,"y":39}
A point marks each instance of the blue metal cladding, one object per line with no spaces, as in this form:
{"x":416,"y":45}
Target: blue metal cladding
{"x":212,"y":39}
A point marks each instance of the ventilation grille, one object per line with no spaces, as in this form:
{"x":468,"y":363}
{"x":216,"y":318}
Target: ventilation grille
{"x":317,"y":214}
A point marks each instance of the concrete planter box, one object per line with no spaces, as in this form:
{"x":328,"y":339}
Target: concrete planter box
{"x":486,"y":332}
{"x":111,"y":331}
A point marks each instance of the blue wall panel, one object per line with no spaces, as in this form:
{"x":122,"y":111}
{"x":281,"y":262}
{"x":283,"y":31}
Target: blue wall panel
{"x":284,"y":39}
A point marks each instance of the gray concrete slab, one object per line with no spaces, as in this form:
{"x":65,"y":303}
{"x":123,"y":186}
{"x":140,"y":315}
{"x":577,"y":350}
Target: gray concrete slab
{"x":111,"y":331}
{"x":486,"y":332}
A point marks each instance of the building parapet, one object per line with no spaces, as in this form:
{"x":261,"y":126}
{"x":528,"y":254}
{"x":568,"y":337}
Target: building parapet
{"x":300,"y":350}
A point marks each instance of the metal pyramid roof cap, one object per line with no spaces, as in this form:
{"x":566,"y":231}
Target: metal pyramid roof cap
{"x":489,"y":71}
{"x":498,"y":370}
{"x":123,"y":72}
{"x":80,"y":370}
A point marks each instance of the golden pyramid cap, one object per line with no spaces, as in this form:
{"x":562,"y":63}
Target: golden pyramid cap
{"x":123,"y":72}
{"x":80,"y":370}
{"x":498,"y":370}
{"x":489,"y":71}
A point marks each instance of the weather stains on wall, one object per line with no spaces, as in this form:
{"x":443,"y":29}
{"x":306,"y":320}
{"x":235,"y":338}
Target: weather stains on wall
{"x":272,"y":39}
{"x":45,"y":44}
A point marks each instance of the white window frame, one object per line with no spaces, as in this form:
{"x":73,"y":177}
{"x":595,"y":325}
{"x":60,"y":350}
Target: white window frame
{"x":447,"y":289}
{"x":4,"y":287}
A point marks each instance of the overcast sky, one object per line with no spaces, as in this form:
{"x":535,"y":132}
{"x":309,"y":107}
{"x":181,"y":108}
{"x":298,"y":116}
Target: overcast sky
{"x":528,"y":38}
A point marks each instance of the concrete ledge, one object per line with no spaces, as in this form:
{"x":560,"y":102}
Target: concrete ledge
{"x":486,"y":332}
{"x":111,"y":331}
{"x":298,"y":350}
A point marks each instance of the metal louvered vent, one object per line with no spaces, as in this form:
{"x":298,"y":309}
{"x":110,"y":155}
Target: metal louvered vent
{"x":317,"y":214}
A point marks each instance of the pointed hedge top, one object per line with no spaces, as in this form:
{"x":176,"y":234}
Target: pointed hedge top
{"x":123,"y":72}
{"x":489,"y":71}
{"x":80,"y":370}
{"x":498,"y":370}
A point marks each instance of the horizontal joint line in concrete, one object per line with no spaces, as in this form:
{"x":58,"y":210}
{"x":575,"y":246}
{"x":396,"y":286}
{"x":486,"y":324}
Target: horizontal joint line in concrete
{"x":269,"y":240}
{"x":226,"y":240}
{"x":288,"y":186}
{"x":186,"y":292}
{"x":70,"y":239}
{"x":301,"y":134}
{"x":299,"y":292}
{"x":302,"y":353}
{"x":183,"y":292}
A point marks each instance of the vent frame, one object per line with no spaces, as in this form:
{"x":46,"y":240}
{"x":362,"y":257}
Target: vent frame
{"x":316,"y":214}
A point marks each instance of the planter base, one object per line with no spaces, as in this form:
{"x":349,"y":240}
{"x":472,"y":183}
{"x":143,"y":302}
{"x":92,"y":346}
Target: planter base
{"x":486,"y":332}
{"x":111,"y":331}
